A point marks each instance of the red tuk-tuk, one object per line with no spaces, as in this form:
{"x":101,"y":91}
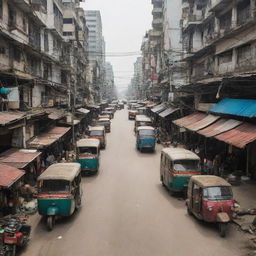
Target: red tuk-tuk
{"x":210,"y":198}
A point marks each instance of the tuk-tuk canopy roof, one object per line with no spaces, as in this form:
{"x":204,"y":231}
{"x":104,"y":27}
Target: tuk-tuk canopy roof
{"x":145,"y":128}
{"x":61,"y":171}
{"x":180,"y":154}
{"x":104,"y":119}
{"x":142,"y":118}
{"x":209,"y":181}
{"x":88,"y":143}
{"x":97,"y":128}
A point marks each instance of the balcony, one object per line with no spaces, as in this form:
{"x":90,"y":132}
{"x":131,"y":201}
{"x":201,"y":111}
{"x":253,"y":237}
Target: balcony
{"x":153,"y":34}
{"x":219,"y":5}
{"x":157,"y":23}
{"x":157,"y":11}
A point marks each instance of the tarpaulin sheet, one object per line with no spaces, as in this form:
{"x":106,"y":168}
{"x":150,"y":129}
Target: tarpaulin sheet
{"x":237,"y":107}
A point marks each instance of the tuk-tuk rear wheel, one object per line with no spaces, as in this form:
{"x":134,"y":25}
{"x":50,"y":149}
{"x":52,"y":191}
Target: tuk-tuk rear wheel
{"x":50,"y":222}
{"x":223,"y":229}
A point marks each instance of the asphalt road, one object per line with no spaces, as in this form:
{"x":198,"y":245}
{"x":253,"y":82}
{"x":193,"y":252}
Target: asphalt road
{"x":127,"y":212}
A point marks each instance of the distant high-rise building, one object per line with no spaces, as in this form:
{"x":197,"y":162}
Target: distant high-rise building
{"x":96,"y":40}
{"x":96,"y":51}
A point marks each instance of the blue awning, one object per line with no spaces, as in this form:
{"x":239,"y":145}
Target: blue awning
{"x":236,"y":107}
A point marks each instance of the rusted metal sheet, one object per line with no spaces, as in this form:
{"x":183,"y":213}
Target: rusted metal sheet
{"x":190,"y":119}
{"x":9,"y":117}
{"x":239,"y":136}
{"x":209,"y":119}
{"x":46,"y":139}
{"x":158,"y":108}
{"x":9,"y":175}
{"x":18,"y":158}
{"x":55,"y":114}
{"x":222,"y":125}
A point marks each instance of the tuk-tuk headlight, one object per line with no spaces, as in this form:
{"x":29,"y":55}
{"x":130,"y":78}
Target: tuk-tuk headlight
{"x":210,"y":208}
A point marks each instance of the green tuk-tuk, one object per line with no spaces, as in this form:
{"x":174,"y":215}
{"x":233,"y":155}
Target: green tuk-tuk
{"x":176,"y":168}
{"x":88,"y":155}
{"x":59,"y":191}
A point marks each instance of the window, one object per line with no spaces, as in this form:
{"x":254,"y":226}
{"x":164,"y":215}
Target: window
{"x":44,"y":5}
{"x":12,"y":16}
{"x":1,"y":8}
{"x":67,"y":33}
{"x":16,"y":54}
{"x":87,"y":150}
{"x":53,"y":186}
{"x":91,"y":26}
{"x":225,"y":20}
{"x":243,"y":12}
{"x":68,"y":21}
{"x":244,"y":53}
{"x":225,"y":57}
{"x":46,"y":41}
{"x":2,"y":50}
{"x":24,"y":23}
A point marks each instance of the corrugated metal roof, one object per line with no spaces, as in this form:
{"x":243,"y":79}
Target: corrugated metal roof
{"x":158,"y":108}
{"x":202,"y":123}
{"x":47,"y":138}
{"x":83,"y":110}
{"x":239,"y":136}
{"x":9,"y":175}
{"x":190,"y":119}
{"x":237,"y":107}
{"x":55,"y":114}
{"x":222,"y":125}
{"x":168,"y":112}
{"x":9,"y":117}
{"x":18,"y":158}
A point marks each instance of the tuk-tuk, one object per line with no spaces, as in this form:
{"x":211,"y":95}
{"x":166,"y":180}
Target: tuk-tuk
{"x":88,"y":154}
{"x":176,"y":168}
{"x":142,"y":111}
{"x":142,"y":120}
{"x":210,"y":198}
{"x":59,"y":191}
{"x":146,"y":138}
{"x":107,"y":113}
{"x":112,"y":106}
{"x":103,"y":116}
{"x":98,"y":132}
{"x":105,"y":122}
{"x":112,"y":110}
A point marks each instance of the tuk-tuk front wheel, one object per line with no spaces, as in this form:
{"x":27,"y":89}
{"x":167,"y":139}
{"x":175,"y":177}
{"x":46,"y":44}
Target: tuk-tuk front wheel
{"x":50,"y":222}
{"x":223,"y":228}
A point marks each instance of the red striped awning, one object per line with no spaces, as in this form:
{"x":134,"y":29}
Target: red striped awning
{"x":221,"y":126}
{"x":239,"y":136}
{"x":190,"y":119}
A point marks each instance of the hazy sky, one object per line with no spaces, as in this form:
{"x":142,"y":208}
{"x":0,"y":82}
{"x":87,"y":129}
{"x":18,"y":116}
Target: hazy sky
{"x":124,"y":25}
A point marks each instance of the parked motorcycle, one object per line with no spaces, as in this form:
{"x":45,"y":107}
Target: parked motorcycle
{"x":14,"y":233}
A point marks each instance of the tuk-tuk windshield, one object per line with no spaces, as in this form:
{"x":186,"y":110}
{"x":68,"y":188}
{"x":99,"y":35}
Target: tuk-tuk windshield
{"x":54,"y":186}
{"x":218,"y":193}
{"x":96,"y":133}
{"x":87,"y":150}
{"x":146,"y":132}
{"x":185,"y":165}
